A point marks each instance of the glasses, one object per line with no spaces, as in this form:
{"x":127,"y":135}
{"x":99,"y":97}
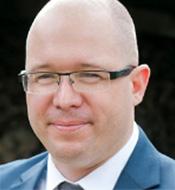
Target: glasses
{"x":82,"y":81}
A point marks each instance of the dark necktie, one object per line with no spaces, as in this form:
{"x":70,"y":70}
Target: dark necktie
{"x":68,"y":186}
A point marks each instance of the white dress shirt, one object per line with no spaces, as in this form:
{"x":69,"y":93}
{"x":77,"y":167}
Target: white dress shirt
{"x":104,"y":177}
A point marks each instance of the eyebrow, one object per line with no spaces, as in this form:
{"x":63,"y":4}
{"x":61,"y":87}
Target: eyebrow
{"x":79,"y":66}
{"x":39,"y":66}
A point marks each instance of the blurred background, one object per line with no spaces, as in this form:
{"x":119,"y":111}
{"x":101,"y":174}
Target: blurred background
{"x":155,"y":25}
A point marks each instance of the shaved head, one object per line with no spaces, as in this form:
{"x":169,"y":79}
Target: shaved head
{"x":109,"y":17}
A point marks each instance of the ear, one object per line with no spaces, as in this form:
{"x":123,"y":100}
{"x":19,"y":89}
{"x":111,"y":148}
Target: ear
{"x":140,"y":77}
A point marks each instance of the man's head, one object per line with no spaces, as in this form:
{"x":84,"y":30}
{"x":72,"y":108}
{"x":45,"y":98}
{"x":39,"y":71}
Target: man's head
{"x":82,"y":129}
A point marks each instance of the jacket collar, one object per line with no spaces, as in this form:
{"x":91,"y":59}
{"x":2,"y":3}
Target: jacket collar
{"x":143,"y":168}
{"x":30,"y":178}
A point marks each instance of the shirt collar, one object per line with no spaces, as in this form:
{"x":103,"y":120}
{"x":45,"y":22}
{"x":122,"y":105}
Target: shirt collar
{"x":107,"y":175}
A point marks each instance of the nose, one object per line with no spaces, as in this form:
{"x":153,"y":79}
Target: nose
{"x":66,"y":97}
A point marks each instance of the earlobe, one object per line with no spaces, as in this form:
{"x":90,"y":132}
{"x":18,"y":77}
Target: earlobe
{"x":140,"y":78}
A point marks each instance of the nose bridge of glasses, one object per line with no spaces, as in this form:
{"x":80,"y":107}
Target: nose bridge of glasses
{"x":65,"y":82}
{"x":67,"y":75}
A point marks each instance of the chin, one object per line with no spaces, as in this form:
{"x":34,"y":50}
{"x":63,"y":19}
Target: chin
{"x":67,"y":151}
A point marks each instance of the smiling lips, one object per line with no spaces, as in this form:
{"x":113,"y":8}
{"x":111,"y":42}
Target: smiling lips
{"x":69,"y":126}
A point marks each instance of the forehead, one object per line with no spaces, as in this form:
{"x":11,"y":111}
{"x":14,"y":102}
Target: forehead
{"x":74,"y":30}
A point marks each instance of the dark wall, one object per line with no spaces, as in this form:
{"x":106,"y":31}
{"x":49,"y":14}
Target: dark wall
{"x":156,"y":39}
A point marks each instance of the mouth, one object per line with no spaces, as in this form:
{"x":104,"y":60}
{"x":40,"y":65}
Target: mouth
{"x":69,"y":126}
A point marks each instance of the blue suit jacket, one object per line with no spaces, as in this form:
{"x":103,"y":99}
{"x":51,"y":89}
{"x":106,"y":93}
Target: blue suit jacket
{"x":146,"y":169}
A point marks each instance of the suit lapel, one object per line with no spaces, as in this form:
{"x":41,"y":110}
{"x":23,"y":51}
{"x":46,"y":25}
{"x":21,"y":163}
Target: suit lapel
{"x":30,"y":178}
{"x":143,"y":168}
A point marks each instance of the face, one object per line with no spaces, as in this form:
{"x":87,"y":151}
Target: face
{"x":79,"y":128}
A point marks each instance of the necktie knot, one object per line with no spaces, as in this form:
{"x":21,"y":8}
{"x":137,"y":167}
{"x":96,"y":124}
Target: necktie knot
{"x":68,"y":186}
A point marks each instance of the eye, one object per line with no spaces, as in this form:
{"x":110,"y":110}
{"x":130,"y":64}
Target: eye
{"x":91,"y":76}
{"x":44,"y":78}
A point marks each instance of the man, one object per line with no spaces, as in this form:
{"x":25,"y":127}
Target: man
{"x":82,"y":83}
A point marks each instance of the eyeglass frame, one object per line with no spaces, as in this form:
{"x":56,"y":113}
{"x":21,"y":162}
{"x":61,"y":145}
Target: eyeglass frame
{"x":112,"y":74}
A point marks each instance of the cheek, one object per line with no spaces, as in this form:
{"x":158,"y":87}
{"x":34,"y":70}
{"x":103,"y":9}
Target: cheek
{"x":120,"y":103}
{"x":101,"y":107}
{"x":37,"y":107}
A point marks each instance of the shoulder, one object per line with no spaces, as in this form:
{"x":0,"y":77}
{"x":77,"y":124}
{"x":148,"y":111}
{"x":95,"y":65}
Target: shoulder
{"x":167,"y":172}
{"x":17,"y":167}
{"x":157,"y":167}
{"x":167,"y":166}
